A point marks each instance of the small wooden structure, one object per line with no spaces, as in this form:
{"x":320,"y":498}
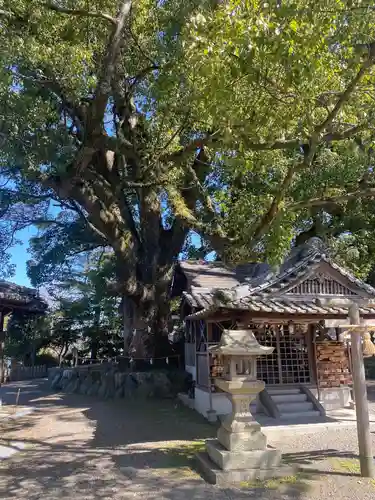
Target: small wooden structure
{"x":297,"y":310}
{"x":14,"y":297}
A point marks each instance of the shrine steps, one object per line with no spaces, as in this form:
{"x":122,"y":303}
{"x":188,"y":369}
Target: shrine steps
{"x":293,"y":403}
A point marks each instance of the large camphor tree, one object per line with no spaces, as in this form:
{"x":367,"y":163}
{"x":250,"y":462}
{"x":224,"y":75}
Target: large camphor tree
{"x":247,"y":122}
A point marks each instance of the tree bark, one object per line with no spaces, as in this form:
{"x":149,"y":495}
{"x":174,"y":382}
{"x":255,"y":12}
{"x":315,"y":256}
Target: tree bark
{"x":94,"y":342}
{"x":2,"y":346}
{"x":145,"y":326}
{"x":62,"y":355}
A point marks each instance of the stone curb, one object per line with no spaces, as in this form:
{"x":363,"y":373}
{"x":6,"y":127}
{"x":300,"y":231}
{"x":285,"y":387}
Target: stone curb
{"x":310,"y":428}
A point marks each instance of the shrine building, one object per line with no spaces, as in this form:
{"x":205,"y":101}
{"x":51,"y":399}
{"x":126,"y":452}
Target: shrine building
{"x":297,"y":309}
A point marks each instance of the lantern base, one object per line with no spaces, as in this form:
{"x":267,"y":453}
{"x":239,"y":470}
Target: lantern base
{"x":212,"y":474}
{"x":242,"y":459}
{"x":253,"y":439}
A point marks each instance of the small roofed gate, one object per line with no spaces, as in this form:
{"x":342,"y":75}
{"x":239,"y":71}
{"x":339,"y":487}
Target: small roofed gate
{"x":16,"y":298}
{"x":290,"y":361}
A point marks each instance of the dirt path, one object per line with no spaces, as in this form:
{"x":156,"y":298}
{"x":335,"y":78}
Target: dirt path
{"x":81,"y":448}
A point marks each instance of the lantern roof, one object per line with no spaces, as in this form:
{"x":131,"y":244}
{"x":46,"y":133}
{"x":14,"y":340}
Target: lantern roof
{"x":240,"y":343}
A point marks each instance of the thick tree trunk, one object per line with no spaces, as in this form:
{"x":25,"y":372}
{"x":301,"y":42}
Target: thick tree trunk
{"x":159,"y":340}
{"x":136,"y":330}
{"x":146,"y":328}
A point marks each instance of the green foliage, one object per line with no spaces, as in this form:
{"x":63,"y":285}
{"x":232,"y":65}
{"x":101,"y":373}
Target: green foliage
{"x":243,"y":121}
{"x":86,"y":312}
{"x":26,"y":335}
{"x":356,"y":251}
{"x":64,"y":331}
{"x":61,"y":246}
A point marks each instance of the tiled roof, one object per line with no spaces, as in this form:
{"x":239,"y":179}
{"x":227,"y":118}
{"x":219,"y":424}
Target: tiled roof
{"x":282,"y":306}
{"x":210,"y":275}
{"x":15,"y":295}
{"x":302,"y":260}
{"x":199,"y":300}
{"x":261,"y":291}
{"x":361,"y":284}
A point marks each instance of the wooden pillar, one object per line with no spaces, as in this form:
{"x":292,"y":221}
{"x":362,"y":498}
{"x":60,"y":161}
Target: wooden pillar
{"x":311,"y":353}
{"x":278,"y":353}
{"x":361,"y":401}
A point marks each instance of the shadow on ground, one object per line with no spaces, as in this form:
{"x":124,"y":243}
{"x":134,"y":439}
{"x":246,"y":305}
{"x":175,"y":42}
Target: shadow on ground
{"x":371,"y":390}
{"x":81,"y":448}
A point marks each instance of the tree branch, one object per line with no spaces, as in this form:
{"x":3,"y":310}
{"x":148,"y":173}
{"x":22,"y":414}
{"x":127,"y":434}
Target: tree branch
{"x":79,"y":211}
{"x":109,"y":64}
{"x":347,"y":134}
{"x":79,"y":12}
{"x":271,"y":213}
{"x":294,"y":143}
{"x":274,"y":209}
{"x":139,"y":46}
{"x":180,"y":155}
{"x":76,"y":112}
{"x":204,"y":195}
{"x":24,"y":197}
{"x":321,"y":202}
{"x":130,"y":222}
{"x":6,"y":13}
{"x":345,"y":95}
{"x":144,"y":72}
{"x":265,"y":146}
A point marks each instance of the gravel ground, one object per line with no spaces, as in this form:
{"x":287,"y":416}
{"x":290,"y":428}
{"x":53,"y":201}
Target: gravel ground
{"x":75,"y":447}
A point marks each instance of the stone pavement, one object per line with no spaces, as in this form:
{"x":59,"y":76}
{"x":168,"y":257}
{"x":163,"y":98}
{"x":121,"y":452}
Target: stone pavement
{"x":335,"y":419}
{"x":80,"y":448}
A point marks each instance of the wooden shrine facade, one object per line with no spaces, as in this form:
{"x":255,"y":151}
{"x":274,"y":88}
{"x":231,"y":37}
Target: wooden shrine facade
{"x":297,"y":310}
{"x":304,"y":353}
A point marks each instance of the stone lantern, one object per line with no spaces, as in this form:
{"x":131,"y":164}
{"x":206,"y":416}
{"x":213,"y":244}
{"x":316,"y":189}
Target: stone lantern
{"x":240,"y":451}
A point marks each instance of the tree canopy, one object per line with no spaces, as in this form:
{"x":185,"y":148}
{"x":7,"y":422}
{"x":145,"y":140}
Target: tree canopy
{"x":131,"y":124}
{"x":83,"y":313}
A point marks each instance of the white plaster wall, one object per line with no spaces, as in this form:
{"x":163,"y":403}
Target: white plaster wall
{"x":201,"y":401}
{"x":220,"y":403}
{"x":192,"y":370}
{"x":333,"y":398}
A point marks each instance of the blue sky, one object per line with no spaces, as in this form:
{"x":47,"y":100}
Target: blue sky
{"x":20,"y":256}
